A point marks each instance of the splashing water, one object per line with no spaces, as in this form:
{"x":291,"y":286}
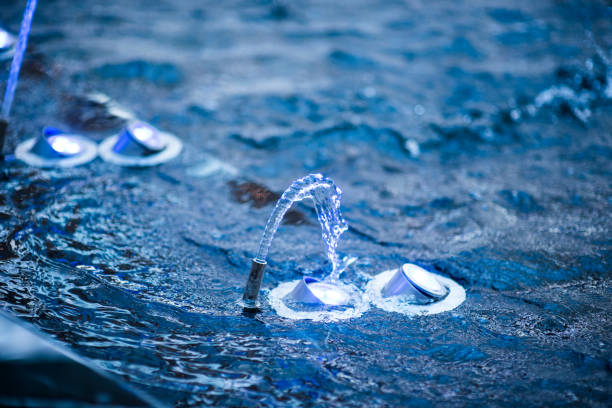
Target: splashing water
{"x":326,"y":196}
{"x":22,"y":42}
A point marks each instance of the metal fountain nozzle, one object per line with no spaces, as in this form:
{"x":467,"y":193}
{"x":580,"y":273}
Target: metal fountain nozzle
{"x":251,"y":290}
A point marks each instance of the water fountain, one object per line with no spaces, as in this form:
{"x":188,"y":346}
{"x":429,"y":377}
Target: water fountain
{"x":140,"y":144}
{"x":53,"y":148}
{"x":11,"y":84}
{"x":330,"y":298}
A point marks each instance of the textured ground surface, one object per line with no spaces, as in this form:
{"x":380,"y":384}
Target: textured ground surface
{"x":472,"y":137}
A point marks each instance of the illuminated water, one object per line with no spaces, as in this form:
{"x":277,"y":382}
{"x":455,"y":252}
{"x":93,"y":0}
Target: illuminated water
{"x":426,"y":114}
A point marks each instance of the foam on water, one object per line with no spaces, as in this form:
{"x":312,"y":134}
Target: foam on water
{"x":209,"y":166}
{"x":401,"y":304}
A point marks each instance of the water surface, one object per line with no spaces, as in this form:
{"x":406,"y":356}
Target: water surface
{"x":470,"y":137}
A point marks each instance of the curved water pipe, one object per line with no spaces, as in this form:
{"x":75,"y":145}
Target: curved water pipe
{"x":326,"y":196}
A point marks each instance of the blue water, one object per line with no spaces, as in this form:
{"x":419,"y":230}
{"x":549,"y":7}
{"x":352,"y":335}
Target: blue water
{"x":472,"y":138}
{"x":22,"y":42}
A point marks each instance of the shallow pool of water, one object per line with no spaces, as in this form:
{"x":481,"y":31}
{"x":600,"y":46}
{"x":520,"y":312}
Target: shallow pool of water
{"x":472,"y":138}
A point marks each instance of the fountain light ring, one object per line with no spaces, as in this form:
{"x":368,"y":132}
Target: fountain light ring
{"x":140,"y":145}
{"x":356,"y":308}
{"x":8,"y":44}
{"x":400,"y":304}
{"x":312,"y":291}
{"x":54,"y":148}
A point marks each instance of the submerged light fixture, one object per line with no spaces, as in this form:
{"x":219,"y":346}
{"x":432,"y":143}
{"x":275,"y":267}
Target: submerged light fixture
{"x":140,"y":144}
{"x":8,"y":43}
{"x":55,"y":148}
{"x":414,"y":281}
{"x":311,"y":291}
{"x":16,"y":49}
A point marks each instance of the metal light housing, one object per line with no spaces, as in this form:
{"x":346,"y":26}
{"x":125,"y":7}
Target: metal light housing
{"x":56,"y":148}
{"x":140,"y":144}
{"x":414,"y":281}
{"x":139,"y":139}
{"x":53,"y":143}
{"x":312,"y":291}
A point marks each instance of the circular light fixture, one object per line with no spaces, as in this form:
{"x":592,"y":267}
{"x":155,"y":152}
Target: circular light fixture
{"x":393,"y":301}
{"x":55,"y":148}
{"x":140,"y":144}
{"x":312,"y":291}
{"x":7,"y":44}
{"x":415,"y":281}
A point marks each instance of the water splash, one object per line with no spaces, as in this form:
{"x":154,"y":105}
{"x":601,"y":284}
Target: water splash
{"x":580,"y":90}
{"x":22,"y":42}
{"x":326,"y":196}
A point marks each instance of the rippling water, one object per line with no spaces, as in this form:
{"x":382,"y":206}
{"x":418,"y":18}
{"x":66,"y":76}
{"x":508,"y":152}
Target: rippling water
{"x":472,"y":138}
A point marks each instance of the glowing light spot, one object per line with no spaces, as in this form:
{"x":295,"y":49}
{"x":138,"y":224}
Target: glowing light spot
{"x":65,"y":145}
{"x":147,"y":135}
{"x":423,"y":279}
{"x":142,"y":132}
{"x":5,"y":39}
{"x":456,"y":296}
{"x":329,"y":294}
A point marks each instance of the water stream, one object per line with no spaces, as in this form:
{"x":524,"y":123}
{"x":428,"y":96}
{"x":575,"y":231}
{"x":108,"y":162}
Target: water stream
{"x":326,"y":196}
{"x":22,"y":42}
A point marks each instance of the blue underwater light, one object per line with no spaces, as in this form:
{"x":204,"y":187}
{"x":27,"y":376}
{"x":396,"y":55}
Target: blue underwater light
{"x":139,"y":139}
{"x":140,"y":144}
{"x":312,"y":291}
{"x":55,"y":148}
{"x":53,"y":143}
{"x":414,"y":281}
{"x":7,"y":44}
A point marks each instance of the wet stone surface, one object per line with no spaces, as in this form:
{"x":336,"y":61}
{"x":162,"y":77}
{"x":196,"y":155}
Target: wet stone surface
{"x":471,"y":138}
